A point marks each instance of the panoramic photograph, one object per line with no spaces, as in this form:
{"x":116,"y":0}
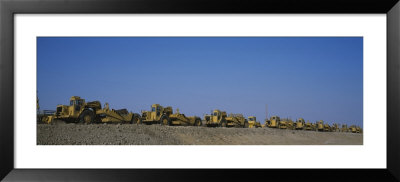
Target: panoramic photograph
{"x":199,"y":91}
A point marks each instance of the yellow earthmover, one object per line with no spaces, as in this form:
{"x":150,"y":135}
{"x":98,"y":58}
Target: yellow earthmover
{"x":90,"y":112}
{"x":327,"y":127}
{"x":165,"y":116}
{"x":319,"y":125}
{"x":157,"y":115}
{"x":309,"y":126}
{"x":217,"y":118}
{"x":314,"y":126}
{"x":236,"y":120}
{"x":272,"y":122}
{"x":122,"y":115}
{"x":358,"y":129}
{"x":352,"y":128}
{"x":300,"y":124}
{"x":253,"y":123}
{"x":355,"y":129}
{"x":180,"y":119}
{"x":283,"y":124}
{"x":335,"y":127}
{"x":290,"y":124}
{"x":286,"y":124}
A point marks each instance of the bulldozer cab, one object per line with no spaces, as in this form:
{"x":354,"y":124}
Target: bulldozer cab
{"x":320,"y":125}
{"x":252,"y":118}
{"x":156,"y":112}
{"x":156,"y":108}
{"x":76,"y":102}
{"x":300,"y":123}
{"x":275,"y":118}
{"x":273,"y":121}
{"x":216,"y":115}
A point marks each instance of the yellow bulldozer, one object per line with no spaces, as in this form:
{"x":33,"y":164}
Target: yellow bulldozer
{"x":283,"y":124}
{"x":221,"y":119}
{"x":90,"y":112}
{"x":335,"y":127}
{"x":253,"y":123}
{"x":165,"y":116}
{"x":300,"y":124}
{"x":327,"y":127}
{"x":272,"y":122}
{"x":355,"y":129}
{"x":217,"y":118}
{"x":180,"y":119}
{"x":236,"y":120}
{"x":309,"y":126}
{"x":286,"y":124}
{"x":319,"y":125}
{"x":157,"y":115}
{"x":352,"y":128}
{"x":291,"y":124}
{"x":314,"y":126}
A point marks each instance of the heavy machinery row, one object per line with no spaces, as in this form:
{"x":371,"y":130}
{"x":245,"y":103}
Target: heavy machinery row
{"x":91,"y":112}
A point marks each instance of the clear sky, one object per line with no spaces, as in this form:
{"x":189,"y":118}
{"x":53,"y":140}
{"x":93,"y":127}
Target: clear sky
{"x":311,"y":77}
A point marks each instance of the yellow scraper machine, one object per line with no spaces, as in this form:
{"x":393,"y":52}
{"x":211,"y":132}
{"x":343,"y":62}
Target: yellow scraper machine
{"x":157,"y":115}
{"x":90,"y":112}
{"x":253,"y":123}
{"x":180,"y":119}
{"x":80,"y":111}
{"x":273,"y":122}
{"x":309,"y":126}
{"x":319,"y":125}
{"x":216,"y":118}
{"x":165,"y":116}
{"x":219,"y":118}
{"x":300,"y":123}
{"x":236,"y":120}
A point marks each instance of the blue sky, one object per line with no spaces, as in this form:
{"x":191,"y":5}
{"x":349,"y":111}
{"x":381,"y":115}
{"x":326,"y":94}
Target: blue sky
{"x":311,"y":77}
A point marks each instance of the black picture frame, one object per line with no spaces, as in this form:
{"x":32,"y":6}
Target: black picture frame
{"x":8,"y":8}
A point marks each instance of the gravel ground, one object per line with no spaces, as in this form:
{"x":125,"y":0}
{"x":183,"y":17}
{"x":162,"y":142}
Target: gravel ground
{"x":131,"y":134}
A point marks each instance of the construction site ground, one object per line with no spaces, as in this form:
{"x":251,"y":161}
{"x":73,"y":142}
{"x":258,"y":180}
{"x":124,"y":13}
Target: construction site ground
{"x":61,"y":133}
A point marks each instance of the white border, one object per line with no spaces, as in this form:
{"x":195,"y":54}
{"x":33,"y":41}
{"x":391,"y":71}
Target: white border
{"x":370,"y":155}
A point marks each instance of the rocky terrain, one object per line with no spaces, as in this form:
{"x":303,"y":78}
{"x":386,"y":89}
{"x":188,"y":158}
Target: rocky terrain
{"x":61,"y":133}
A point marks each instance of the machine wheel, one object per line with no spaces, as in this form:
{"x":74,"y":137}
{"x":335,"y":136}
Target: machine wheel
{"x":246,"y":125}
{"x":86,"y":117}
{"x":223,"y":124}
{"x":197,"y":122}
{"x":136,"y":119}
{"x":165,"y":120}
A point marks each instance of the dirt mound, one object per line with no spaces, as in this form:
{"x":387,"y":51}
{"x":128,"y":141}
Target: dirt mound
{"x":133,"y":134}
